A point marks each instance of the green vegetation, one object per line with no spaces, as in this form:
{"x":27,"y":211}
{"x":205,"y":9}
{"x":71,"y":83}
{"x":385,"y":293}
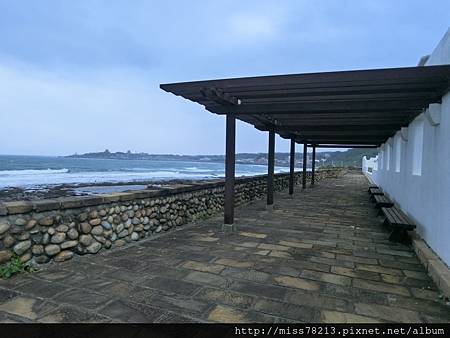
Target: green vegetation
{"x":15,"y":266}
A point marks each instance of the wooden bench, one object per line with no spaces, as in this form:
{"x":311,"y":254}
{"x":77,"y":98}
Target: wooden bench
{"x":372,"y":187}
{"x":399,"y":223}
{"x":382,"y":201}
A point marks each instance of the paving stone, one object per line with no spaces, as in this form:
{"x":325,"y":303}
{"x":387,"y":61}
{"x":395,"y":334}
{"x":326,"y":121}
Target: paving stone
{"x":226,"y":314}
{"x":387,"y":313}
{"x":207,"y":278}
{"x":326,"y":277}
{"x":257,"y":289}
{"x":381,"y":287}
{"x":296,"y":244}
{"x":172,"y":285}
{"x":68,"y":314}
{"x":204,"y":267}
{"x":316,"y":300}
{"x":355,"y":273}
{"x":226,"y":297}
{"x":287,"y":310}
{"x":345,"y":318}
{"x":82,"y":298}
{"x":251,"y":275}
{"x":252,"y":234}
{"x":42,"y":288}
{"x":26,"y":307}
{"x":234,"y":263}
{"x":298,"y":283}
{"x":276,"y":247}
{"x":130,"y":312}
{"x":379,"y":269}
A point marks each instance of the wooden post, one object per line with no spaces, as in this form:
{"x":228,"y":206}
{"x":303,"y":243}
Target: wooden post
{"x":292,"y":167}
{"x":229,"y":172}
{"x":305,"y":159}
{"x":270,"y":168}
{"x":313,"y":165}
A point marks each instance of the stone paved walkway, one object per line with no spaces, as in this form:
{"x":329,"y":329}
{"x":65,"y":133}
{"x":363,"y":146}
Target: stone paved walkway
{"x":322,"y":256}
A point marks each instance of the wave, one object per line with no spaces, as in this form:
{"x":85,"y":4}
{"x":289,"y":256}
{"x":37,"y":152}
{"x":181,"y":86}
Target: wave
{"x":32,"y":172}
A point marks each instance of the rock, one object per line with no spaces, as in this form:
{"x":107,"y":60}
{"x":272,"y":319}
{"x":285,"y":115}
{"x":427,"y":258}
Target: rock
{"x":25,"y":258}
{"x":124,"y":217}
{"x":106,"y":225}
{"x":107,"y":233}
{"x":31,"y":224}
{"x":86,"y":240}
{"x":85,"y":228}
{"x":23,"y":236}
{"x":8,"y":241}
{"x":100,"y":239}
{"x":52,"y":249}
{"x":63,"y":256}
{"x":20,"y":222}
{"x":57,"y":238}
{"x":108,"y":244}
{"x":94,"y":248}
{"x":134,"y":236}
{"x":69,"y":244}
{"x":95,"y":221}
{"x":46,"y":221}
{"x":37,"y":250}
{"x":51,"y":231}
{"x":127,"y":223}
{"x":120,"y":227}
{"x":113,"y":237}
{"x":123,"y":233}
{"x":93,"y":214}
{"x":62,"y":228}
{"x":158,"y":229}
{"x":116,"y":219}
{"x":82,"y":217}
{"x":120,"y":242}
{"x":21,"y":247}
{"x":45,"y":239}
{"x":102,"y":212}
{"x":72,"y":234}
{"x":135,"y":221}
{"x":4,"y":227}
{"x":97,"y":230}
{"x":42,"y":259}
{"x":179,"y":221}
{"x":5,"y":255}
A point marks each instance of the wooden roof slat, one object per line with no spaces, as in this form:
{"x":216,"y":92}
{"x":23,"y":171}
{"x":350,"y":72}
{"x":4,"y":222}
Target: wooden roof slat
{"x":360,"y":106}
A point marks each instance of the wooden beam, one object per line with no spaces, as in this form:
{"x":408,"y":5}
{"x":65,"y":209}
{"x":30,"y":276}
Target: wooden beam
{"x":230,"y":170}
{"x":218,"y":96}
{"x":321,"y":106}
{"x":313,"y":165}
{"x":292,"y":167}
{"x":270,"y":167}
{"x":305,"y":159}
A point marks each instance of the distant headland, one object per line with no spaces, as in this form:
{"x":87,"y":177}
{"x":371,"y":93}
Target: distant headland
{"x":351,"y":157}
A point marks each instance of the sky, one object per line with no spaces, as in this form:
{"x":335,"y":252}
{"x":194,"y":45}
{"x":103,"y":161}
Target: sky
{"x":82,"y":76}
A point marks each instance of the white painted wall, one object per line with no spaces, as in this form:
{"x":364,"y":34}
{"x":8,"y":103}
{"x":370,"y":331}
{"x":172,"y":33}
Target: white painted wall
{"x":421,"y":184}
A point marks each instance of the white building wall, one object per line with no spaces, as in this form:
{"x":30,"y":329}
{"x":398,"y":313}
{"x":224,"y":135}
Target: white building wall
{"x":422,"y":186}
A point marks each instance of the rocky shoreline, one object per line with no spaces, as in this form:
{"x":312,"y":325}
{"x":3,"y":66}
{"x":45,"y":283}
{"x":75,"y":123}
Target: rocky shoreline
{"x":66,"y":190}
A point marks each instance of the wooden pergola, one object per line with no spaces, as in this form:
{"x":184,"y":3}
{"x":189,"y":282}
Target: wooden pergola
{"x":345,"y":109}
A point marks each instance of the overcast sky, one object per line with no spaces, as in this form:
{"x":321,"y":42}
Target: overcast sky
{"x":79,"y":76}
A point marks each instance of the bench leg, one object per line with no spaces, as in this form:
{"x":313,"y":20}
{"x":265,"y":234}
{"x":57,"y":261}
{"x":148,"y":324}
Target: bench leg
{"x":400,"y":236}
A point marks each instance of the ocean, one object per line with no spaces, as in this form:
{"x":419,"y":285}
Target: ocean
{"x":38,"y":171}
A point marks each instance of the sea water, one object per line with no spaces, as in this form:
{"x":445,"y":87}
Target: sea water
{"x":35,"y":171}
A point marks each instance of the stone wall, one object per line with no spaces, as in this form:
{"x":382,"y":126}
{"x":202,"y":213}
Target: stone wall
{"x":57,"y":229}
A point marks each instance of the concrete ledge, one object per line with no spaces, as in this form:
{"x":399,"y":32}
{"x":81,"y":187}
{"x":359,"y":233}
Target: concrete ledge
{"x":436,"y":268}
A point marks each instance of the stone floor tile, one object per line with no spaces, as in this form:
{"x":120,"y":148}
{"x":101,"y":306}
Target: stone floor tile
{"x":345,"y":318}
{"x":387,"y":313}
{"x":82,"y":298}
{"x":326,"y":277}
{"x":131,"y":312}
{"x":381,"y":287}
{"x":68,"y":314}
{"x":203,"y":267}
{"x":226,"y":297}
{"x":298,"y":283}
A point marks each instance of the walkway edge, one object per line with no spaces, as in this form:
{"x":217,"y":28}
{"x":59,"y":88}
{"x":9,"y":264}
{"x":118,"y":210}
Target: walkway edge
{"x":436,"y":268}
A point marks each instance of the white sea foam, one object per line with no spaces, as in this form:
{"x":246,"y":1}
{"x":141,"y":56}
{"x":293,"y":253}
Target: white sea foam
{"x":33,"y":178}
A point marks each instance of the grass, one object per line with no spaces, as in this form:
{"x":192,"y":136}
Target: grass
{"x":14,"y":266}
